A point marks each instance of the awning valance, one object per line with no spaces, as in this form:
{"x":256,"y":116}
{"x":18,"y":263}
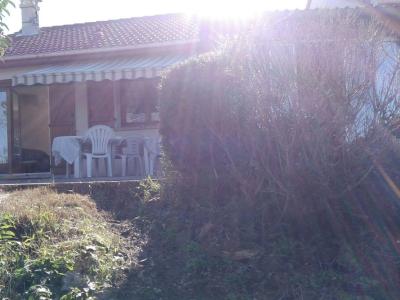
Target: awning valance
{"x":107,"y":69}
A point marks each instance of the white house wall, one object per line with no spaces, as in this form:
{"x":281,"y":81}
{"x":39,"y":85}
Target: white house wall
{"x":346,"y":3}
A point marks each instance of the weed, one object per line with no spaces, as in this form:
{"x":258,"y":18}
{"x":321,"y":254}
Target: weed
{"x":55,"y":246}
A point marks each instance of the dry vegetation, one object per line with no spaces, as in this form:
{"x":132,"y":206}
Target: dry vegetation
{"x":55,"y":245}
{"x":281,"y":182}
{"x":285,"y":154}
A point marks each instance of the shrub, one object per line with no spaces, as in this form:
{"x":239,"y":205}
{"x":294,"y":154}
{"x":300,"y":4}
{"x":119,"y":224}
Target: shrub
{"x":201,"y":100}
{"x":285,"y":120}
{"x":292,"y":137}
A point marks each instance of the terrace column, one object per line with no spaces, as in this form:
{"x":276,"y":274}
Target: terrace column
{"x":81,"y":108}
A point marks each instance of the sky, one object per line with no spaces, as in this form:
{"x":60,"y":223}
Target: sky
{"x":59,"y":12}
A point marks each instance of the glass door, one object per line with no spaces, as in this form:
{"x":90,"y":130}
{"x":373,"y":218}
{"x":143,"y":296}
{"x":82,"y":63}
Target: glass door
{"x":30,"y":131}
{"x":4,"y":159}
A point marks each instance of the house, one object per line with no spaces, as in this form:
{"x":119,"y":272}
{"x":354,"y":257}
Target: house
{"x":313,"y":4}
{"x":60,"y":81}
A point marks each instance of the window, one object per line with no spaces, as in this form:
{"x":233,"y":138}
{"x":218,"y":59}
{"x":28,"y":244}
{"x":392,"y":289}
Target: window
{"x":387,"y":83}
{"x":388,"y":68}
{"x":372,"y":82}
{"x":101,"y":104}
{"x":124,"y":103}
{"x":138,"y":101}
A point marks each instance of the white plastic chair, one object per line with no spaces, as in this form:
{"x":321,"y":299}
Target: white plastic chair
{"x":100,"y":137}
{"x":132,"y":151}
{"x":153,"y":146}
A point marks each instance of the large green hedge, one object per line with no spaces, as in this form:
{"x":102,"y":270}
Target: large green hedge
{"x":203,"y":105}
{"x":289,"y":138}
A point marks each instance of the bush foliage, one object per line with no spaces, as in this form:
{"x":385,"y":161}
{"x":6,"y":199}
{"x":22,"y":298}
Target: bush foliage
{"x":292,"y":143}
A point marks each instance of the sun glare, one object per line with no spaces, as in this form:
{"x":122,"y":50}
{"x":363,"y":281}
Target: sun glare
{"x":61,"y":12}
{"x":237,"y":9}
{"x":224,"y":10}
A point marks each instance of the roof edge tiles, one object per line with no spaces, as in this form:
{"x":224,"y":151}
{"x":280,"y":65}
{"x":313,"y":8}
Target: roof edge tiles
{"x":119,"y":34}
{"x":97,"y":50}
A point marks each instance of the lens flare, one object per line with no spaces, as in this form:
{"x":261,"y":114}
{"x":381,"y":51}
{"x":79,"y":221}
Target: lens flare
{"x":237,"y":9}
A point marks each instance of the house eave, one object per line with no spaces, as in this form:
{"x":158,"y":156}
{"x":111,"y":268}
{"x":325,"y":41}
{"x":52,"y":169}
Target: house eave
{"x":20,"y":60}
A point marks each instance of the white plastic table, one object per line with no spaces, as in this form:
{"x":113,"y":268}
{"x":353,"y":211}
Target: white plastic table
{"x":69,"y":148}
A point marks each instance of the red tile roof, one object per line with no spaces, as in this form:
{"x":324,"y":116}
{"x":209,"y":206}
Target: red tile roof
{"x":160,"y":29}
{"x":139,"y":31}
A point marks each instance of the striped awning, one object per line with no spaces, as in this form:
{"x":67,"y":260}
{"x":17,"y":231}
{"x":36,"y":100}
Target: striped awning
{"x":107,"y":69}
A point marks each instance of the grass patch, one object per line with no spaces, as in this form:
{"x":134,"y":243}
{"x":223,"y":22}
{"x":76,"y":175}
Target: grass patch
{"x":56,"y":246}
{"x":59,"y":246}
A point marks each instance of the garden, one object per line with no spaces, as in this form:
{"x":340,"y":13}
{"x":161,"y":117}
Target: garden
{"x":280,"y":181}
